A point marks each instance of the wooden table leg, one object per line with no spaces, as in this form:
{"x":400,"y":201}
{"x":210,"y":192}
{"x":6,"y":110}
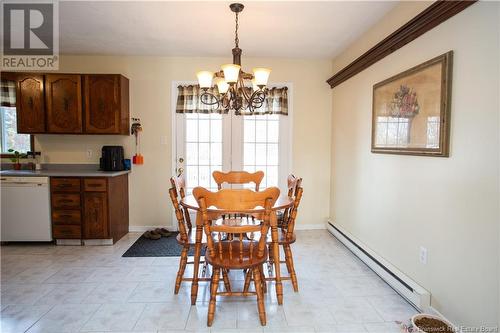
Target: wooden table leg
{"x":196,"y":259}
{"x":276,"y":258}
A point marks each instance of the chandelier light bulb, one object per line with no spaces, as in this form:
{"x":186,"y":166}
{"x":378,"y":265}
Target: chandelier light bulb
{"x":231,"y":72}
{"x":261,"y":76}
{"x":222,"y":86}
{"x":255,"y":87}
{"x":205,"y":79}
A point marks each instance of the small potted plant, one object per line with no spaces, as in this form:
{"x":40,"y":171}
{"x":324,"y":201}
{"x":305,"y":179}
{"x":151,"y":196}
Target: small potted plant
{"x":16,"y":159}
{"x":425,"y":323}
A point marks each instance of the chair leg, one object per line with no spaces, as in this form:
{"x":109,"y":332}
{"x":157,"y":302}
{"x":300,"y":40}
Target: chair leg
{"x":182,"y":268}
{"x":225,"y":277}
{"x":213,"y":294}
{"x":289,"y":266}
{"x":263,"y":279}
{"x":260,"y":296}
{"x":248,"y":278}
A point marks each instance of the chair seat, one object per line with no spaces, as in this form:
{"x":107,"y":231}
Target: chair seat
{"x":191,"y":238}
{"x":234,"y":262}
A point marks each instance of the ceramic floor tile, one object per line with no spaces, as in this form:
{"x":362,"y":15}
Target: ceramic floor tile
{"x":161,"y":316}
{"x":109,"y":274}
{"x":225,"y":317}
{"x":24,"y":293}
{"x":387,"y":327}
{"x":36,"y":274}
{"x":117,"y":292}
{"x":94,"y":288}
{"x":64,"y":318}
{"x":248,"y":315}
{"x":392,"y":307}
{"x":115,"y":317}
{"x":307,"y":313}
{"x":70,"y":275}
{"x":350,"y":328}
{"x":18,"y":318}
{"x":72,"y":293}
{"x":354,"y":310}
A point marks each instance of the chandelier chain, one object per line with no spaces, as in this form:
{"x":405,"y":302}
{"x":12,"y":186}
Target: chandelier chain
{"x":236,"y":39}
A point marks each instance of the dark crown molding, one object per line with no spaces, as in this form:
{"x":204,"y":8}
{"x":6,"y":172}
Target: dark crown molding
{"x":431,"y":17}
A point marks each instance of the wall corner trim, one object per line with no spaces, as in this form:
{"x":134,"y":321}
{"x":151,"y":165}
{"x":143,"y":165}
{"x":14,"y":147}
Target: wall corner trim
{"x":432,"y":16}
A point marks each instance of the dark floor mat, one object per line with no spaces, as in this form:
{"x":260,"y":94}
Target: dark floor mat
{"x":163,"y":247}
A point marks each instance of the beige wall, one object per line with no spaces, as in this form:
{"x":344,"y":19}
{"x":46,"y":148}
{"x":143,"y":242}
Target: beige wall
{"x":150,"y":89}
{"x":395,"y":204}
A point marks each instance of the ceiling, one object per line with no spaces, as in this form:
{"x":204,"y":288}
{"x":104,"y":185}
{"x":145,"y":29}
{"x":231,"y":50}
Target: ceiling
{"x":267,"y":29}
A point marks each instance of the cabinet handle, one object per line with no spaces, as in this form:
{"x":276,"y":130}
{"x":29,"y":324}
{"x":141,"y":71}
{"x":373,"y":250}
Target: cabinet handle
{"x":64,"y":185}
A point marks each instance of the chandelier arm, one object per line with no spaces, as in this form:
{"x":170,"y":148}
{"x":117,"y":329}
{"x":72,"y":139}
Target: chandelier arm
{"x":243,"y":90}
{"x":207,"y":95}
{"x":256,"y":100}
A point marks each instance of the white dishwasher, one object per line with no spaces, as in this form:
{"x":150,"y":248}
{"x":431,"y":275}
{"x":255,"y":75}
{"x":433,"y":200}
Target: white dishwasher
{"x":25,"y":209}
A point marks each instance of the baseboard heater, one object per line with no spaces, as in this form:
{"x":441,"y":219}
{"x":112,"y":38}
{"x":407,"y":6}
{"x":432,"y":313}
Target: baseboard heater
{"x":401,"y":283}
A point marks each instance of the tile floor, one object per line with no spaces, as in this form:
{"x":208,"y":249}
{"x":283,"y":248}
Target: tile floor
{"x":93,"y":289}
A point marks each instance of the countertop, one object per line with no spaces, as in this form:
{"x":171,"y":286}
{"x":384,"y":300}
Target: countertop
{"x":64,"y":170}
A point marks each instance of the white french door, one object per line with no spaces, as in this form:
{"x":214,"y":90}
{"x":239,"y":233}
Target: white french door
{"x":208,"y":142}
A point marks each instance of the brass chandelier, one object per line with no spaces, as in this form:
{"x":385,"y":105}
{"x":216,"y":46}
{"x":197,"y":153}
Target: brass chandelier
{"x":237,"y":90}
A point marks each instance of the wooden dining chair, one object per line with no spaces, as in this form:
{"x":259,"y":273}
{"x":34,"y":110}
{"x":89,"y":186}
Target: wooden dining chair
{"x":238,"y":177}
{"x":226,"y":246}
{"x":286,"y":232}
{"x":186,"y":236}
{"x":293,"y":185}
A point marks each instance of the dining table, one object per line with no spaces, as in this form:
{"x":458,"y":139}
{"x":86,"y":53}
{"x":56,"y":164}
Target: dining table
{"x":283,"y":202}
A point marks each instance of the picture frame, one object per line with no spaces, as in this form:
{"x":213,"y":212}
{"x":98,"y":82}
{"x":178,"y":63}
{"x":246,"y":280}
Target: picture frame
{"x":411,"y":110}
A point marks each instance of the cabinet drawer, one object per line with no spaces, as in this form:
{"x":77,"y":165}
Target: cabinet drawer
{"x":67,"y":231}
{"x":94,"y":184}
{"x":65,"y":184}
{"x":66,"y":200}
{"x":66,"y":217}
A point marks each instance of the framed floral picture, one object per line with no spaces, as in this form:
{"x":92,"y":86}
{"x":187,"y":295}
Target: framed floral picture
{"x":411,"y":111}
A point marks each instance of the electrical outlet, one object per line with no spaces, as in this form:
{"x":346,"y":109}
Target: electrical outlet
{"x":89,"y":154}
{"x":423,"y":255}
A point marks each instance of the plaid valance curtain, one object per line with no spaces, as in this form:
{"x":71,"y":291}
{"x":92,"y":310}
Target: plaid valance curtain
{"x":8,"y":93}
{"x":189,"y":101}
{"x":276,"y":102}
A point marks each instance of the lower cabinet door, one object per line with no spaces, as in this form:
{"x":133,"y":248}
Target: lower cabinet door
{"x":95,"y":221}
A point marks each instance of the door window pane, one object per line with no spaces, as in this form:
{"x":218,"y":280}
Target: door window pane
{"x":261,"y":147}
{"x":203,"y":149}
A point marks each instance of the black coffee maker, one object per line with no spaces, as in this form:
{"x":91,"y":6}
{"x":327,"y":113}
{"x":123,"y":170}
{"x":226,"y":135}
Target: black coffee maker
{"x":112,"y":158}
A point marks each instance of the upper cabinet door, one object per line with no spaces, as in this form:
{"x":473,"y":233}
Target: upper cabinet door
{"x":30,"y":103}
{"x":102,"y":104}
{"x":63,"y":93}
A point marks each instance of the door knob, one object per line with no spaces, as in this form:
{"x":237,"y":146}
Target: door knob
{"x":181,"y":160}
{"x":180,"y":171}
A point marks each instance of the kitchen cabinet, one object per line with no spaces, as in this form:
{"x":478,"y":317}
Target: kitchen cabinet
{"x":90,"y":208}
{"x":63,"y":94}
{"x":106,"y":104}
{"x":66,"y":208}
{"x":30,"y":103}
{"x":96,"y":219}
{"x":71,"y":103}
